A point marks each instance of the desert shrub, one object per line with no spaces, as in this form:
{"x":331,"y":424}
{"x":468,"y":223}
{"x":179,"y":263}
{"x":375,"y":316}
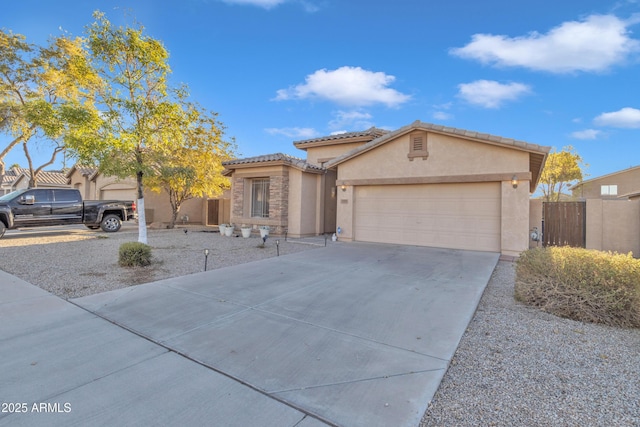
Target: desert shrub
{"x":580,"y":284}
{"x":134,"y":254}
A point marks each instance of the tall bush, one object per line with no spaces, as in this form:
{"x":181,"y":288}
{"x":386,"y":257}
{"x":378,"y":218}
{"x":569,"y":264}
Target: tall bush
{"x":581,"y":284}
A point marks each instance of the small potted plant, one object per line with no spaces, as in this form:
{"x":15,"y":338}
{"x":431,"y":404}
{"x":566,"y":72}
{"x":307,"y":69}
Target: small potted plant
{"x":264,"y":231}
{"x":246,"y":231}
{"x":222,"y":228}
{"x":228,"y":230}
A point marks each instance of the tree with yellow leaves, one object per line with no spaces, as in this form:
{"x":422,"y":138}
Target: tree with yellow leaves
{"x":194,"y":168}
{"x":560,"y":170}
{"x":46,"y":95}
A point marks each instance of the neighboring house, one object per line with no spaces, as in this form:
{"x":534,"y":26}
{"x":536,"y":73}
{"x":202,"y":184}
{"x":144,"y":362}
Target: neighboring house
{"x":95,"y":186}
{"x":624,"y":184}
{"x":18,"y":178}
{"x":422,"y":184}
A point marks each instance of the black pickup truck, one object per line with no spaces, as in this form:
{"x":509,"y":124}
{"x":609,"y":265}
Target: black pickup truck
{"x":39,"y":207}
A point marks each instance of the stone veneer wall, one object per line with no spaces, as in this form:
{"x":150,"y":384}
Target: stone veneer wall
{"x":278,"y":203}
{"x":238,"y":197}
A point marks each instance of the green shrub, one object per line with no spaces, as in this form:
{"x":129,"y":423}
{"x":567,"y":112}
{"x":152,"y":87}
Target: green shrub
{"x":134,"y":254}
{"x":581,"y":284}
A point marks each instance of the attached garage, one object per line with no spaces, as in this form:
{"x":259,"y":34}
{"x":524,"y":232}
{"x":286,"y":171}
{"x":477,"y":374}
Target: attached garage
{"x":429,"y":185}
{"x":460,"y":215}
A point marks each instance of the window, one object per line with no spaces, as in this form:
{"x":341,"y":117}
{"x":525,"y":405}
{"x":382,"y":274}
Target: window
{"x":608,"y":190}
{"x":41,"y":196}
{"x":66,"y":195}
{"x":418,"y":145}
{"x":260,"y":198}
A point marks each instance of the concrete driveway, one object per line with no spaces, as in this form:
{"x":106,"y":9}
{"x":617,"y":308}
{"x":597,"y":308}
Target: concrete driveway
{"x":350,"y":335}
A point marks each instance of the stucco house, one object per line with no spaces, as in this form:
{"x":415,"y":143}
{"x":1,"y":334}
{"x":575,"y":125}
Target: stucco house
{"x":624,"y":184}
{"x":96,"y":186}
{"x":422,"y":184}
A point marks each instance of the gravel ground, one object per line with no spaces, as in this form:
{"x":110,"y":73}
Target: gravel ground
{"x":518,"y":366}
{"x":515,"y":366}
{"x":75,"y":262}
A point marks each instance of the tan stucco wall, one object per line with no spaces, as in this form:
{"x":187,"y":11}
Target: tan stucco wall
{"x":317,"y":154}
{"x":447,"y":156}
{"x":515,"y":218}
{"x":158,"y":209}
{"x":344,"y":217}
{"x":613,"y":225}
{"x":83,"y":184}
{"x":303,"y":203}
{"x":535,"y":220}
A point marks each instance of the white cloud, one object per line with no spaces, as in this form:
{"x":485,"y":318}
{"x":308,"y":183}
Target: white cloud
{"x":594,"y":44}
{"x":491,"y":94}
{"x":347,"y":86}
{"x":625,"y":118}
{"x":270,"y":4}
{"x":441,"y":115}
{"x":351,"y":120}
{"x":302,"y":133}
{"x":586,"y":134}
{"x":266,"y":4}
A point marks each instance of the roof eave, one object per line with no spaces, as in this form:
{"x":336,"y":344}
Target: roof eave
{"x":268,"y":163}
{"x":326,"y":142}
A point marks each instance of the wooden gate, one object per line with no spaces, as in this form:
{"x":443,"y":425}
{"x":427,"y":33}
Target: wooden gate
{"x":564,"y":224}
{"x":213,"y":206}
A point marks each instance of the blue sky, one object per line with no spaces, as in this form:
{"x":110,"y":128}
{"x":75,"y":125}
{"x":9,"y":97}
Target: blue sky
{"x":547,"y":72}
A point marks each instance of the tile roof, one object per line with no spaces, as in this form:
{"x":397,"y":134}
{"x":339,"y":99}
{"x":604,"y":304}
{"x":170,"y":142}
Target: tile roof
{"x":44,"y":177}
{"x":372,"y":132}
{"x":277,"y":157}
{"x":442,"y":129}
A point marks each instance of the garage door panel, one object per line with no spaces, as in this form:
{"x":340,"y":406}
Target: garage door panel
{"x":117,"y":194}
{"x":463,"y":216}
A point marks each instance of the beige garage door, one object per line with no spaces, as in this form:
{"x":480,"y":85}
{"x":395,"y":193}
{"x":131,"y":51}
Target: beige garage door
{"x":118,"y":194}
{"x":459,"y":216}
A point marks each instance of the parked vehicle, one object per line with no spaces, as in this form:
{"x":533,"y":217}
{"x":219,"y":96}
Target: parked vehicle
{"x":39,"y":207}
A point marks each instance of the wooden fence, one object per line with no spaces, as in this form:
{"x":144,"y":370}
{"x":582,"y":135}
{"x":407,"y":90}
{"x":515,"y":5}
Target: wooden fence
{"x":564,"y":224}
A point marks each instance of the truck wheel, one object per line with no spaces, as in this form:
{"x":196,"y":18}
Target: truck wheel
{"x":92,"y":227}
{"x":111,"y":223}
{"x":2,"y":228}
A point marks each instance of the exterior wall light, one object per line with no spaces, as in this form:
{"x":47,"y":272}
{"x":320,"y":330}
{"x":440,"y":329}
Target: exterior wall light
{"x":343,"y":187}
{"x":514,"y":181}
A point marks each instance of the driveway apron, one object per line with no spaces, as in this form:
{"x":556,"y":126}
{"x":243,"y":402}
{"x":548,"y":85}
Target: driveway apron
{"x":352,"y":334}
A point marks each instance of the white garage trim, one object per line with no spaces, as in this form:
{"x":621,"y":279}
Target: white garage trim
{"x":459,"y":216}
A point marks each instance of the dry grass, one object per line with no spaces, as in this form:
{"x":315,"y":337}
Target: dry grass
{"x":585,"y":285}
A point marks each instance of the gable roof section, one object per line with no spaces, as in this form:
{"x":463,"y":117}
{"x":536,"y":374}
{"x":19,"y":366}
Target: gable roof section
{"x":609,"y":175}
{"x":537,"y":153}
{"x":271,"y":160}
{"x":50,"y":178}
{"x":86,"y":171}
{"x":341,"y":138}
